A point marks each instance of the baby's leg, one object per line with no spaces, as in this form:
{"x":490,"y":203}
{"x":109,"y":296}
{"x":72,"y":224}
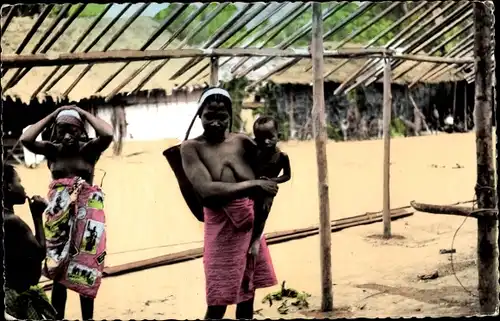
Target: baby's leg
{"x":262,"y":207}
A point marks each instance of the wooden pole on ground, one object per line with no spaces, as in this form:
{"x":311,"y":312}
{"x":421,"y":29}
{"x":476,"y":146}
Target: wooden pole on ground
{"x":214,"y":71}
{"x":487,"y":246}
{"x":319,"y":130}
{"x":386,"y":208}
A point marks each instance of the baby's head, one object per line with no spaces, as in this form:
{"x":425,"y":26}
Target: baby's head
{"x":265,"y":130}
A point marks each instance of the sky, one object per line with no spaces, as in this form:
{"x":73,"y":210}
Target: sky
{"x":150,"y":11}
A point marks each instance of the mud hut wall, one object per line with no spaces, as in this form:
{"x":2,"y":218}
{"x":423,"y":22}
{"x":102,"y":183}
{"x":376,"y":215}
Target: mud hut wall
{"x":368,"y":100}
{"x":149,"y":116}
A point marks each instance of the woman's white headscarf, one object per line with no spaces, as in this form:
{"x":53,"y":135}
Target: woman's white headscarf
{"x":206,"y":94}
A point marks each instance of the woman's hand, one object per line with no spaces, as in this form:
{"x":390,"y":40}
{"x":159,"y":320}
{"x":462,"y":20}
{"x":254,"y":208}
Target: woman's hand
{"x":60,"y":109}
{"x":37,"y":206}
{"x":268,"y":186}
{"x":80,"y":111}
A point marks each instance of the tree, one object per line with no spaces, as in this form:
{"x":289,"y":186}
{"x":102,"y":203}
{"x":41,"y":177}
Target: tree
{"x":23,"y":10}
{"x":206,"y":32}
{"x":90,"y":10}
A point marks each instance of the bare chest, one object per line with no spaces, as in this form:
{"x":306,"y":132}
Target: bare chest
{"x":228,"y":155}
{"x":269,"y":166}
{"x":70,"y":167}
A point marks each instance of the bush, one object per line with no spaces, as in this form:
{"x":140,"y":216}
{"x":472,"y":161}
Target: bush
{"x":398,"y":128}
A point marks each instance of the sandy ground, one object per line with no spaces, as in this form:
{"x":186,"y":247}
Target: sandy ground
{"x":146,"y":217}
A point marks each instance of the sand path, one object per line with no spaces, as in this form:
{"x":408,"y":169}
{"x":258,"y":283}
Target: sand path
{"x":145,"y":210}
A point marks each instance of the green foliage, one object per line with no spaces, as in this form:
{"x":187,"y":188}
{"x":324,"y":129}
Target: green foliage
{"x":176,"y":24}
{"x":398,"y":128}
{"x":55,"y":10}
{"x":208,"y":31}
{"x":269,"y":93}
{"x":339,"y":16}
{"x":300,"y":299}
{"x":236,"y":89}
{"x":333,"y":132}
{"x":90,"y":10}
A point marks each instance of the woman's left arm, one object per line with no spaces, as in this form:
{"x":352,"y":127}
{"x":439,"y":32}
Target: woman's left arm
{"x":103,"y":130}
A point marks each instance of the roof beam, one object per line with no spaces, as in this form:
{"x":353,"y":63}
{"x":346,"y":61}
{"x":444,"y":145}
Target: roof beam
{"x":166,"y":23}
{"x":44,"y":60}
{"x":117,"y":35}
{"x":241,"y":38}
{"x":381,"y":35}
{"x":223,"y":34}
{"x":416,"y":45}
{"x":365,"y":6}
{"x":8,"y":19}
{"x":454,"y":52}
{"x":283,"y":23}
{"x":73,"y":49}
{"x":402,"y":36}
{"x":91,"y":45}
{"x":134,"y":74}
{"x":45,"y":12}
{"x":57,"y":35}
{"x":435,"y":49}
{"x":190,"y":36}
{"x":450,"y":21}
{"x":459,"y":68}
{"x":363,"y":28}
{"x":264,"y":31}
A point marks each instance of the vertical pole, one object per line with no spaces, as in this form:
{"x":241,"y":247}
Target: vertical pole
{"x":291,"y":118}
{"x":465,"y":108}
{"x":487,"y":227}
{"x":454,"y":102}
{"x":319,"y":130}
{"x":386,"y":207}
{"x":214,"y":71}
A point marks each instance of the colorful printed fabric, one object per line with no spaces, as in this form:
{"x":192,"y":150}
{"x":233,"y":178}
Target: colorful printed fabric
{"x":228,"y":266}
{"x":76,"y":236}
{"x":32,"y":304}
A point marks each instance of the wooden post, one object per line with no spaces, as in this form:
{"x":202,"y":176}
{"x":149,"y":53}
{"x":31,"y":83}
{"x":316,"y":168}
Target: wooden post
{"x":214,"y":71}
{"x":465,"y":108}
{"x":454,"y":103}
{"x":291,"y":118}
{"x":386,"y":207}
{"x":320,"y":135}
{"x":487,"y":246}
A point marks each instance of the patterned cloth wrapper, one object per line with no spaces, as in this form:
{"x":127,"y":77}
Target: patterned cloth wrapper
{"x":231,"y":274}
{"x":76,"y":236}
{"x":31,"y":304}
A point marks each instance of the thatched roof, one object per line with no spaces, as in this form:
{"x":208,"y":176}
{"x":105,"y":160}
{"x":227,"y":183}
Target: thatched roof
{"x":133,"y":37}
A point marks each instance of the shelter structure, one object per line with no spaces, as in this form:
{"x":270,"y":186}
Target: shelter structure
{"x":148,"y":84}
{"x":436,"y":36}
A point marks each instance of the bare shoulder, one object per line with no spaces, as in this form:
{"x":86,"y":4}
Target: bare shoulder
{"x":15,"y":224}
{"x":283,"y":156}
{"x":191,"y":144}
{"x":239,"y":136}
{"x":244,"y":139}
{"x":282,"y":153}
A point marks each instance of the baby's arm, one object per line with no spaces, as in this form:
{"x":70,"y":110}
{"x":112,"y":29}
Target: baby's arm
{"x":284,"y":163}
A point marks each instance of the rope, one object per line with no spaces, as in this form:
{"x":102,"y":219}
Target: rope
{"x":474,"y":202}
{"x":155,"y":247}
{"x":103,"y":176}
